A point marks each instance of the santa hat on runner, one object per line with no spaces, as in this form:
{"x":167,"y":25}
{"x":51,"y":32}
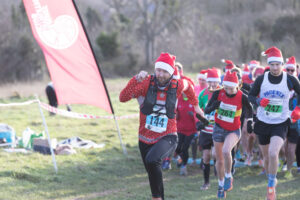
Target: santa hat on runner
{"x":202,"y":74}
{"x":291,"y":62}
{"x":229,"y":64}
{"x":166,"y":62}
{"x":176,"y":74}
{"x":259,"y":71}
{"x":274,"y":55}
{"x":213,"y":75}
{"x":246,"y":70}
{"x":231,"y":79}
{"x":254,"y":64}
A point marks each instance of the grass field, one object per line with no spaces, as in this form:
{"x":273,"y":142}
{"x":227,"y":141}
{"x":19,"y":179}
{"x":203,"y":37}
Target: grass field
{"x":106,"y":173}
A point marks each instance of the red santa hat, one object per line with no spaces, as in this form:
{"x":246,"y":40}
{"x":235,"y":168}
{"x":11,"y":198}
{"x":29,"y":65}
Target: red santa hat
{"x":254,"y":64}
{"x":291,"y":62}
{"x":246,"y":70}
{"x":213,"y":75}
{"x":231,"y":79}
{"x":229,"y":64}
{"x":274,"y":55}
{"x":202,"y":74}
{"x":166,"y":62}
{"x":259,"y":71}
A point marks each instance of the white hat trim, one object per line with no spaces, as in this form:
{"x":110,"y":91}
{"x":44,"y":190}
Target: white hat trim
{"x":213,"y":79}
{"x":253,"y":65}
{"x":164,"y":66}
{"x":202,"y":76}
{"x":177,"y":77}
{"x":230,"y":84}
{"x":290,"y":65}
{"x":275,"y":59}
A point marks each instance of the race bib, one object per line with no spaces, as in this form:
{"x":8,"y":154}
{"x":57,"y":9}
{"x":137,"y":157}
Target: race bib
{"x":156,"y":123}
{"x":226,"y":112}
{"x":274,"y":108}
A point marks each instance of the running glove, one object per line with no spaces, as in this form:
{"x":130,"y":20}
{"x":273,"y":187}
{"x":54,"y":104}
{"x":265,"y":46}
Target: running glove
{"x":249,"y":125}
{"x":199,"y":126}
{"x":295,"y":114}
{"x":264,"y":102}
{"x":202,"y":119}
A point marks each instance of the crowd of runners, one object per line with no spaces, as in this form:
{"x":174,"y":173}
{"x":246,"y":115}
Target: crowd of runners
{"x":250,"y":112}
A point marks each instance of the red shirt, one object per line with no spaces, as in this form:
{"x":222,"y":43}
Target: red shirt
{"x":186,"y":123}
{"x":136,"y":89}
{"x":229,"y":112}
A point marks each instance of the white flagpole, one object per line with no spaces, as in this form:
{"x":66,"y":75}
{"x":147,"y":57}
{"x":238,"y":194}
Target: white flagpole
{"x":48,"y":135}
{"x":120,"y":137}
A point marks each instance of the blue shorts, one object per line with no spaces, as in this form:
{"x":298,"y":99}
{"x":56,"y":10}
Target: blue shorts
{"x":220,"y":134}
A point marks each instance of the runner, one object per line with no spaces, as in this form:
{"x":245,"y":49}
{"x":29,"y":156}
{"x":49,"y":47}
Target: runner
{"x":229,"y":103}
{"x":186,"y":128}
{"x":292,"y":135}
{"x":205,"y":138}
{"x":157,"y":95}
{"x":270,"y":93}
{"x":202,"y":84}
{"x":229,"y":66}
{"x":248,"y":78}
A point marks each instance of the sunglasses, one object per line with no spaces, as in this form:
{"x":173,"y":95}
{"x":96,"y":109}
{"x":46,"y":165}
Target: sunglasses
{"x":290,"y":70}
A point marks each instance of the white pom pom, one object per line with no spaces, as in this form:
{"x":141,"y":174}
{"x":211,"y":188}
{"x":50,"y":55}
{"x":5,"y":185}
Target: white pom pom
{"x":263,"y":53}
{"x":223,"y":60}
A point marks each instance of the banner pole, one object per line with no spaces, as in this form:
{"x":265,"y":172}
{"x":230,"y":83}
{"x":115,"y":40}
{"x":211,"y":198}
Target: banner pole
{"x":102,"y":78}
{"x":48,"y":136}
{"x":120,"y":138}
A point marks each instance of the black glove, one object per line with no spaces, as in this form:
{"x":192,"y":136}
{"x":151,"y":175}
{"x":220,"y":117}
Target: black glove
{"x":249,"y":125}
{"x":202,"y":119}
{"x":199,"y":126}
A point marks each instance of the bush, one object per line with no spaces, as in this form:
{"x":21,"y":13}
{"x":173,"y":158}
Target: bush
{"x":108,"y":43}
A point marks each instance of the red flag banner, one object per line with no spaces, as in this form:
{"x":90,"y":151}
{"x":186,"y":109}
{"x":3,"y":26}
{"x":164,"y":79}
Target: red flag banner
{"x":57,"y":28}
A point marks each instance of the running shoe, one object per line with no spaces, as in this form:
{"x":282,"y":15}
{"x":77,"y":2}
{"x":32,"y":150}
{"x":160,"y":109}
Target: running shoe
{"x":166,"y":165}
{"x":263,"y":171}
{"x":228,"y":184}
{"x":284,"y":168}
{"x":205,"y":186}
{"x":288,"y":174}
{"x":183,"y":170}
{"x":221,"y":193}
{"x":271,"y":193}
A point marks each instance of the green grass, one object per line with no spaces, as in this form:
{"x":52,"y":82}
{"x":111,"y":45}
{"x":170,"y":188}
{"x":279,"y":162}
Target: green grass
{"x":106,"y":173}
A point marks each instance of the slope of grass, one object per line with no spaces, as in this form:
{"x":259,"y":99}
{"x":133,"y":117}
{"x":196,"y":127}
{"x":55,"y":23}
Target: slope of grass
{"x":106,"y":173}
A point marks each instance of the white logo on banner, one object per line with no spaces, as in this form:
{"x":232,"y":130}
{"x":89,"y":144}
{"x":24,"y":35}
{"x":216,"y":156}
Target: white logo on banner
{"x":58,"y":34}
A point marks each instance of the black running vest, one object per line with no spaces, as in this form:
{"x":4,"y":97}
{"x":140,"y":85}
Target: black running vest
{"x":151,"y":97}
